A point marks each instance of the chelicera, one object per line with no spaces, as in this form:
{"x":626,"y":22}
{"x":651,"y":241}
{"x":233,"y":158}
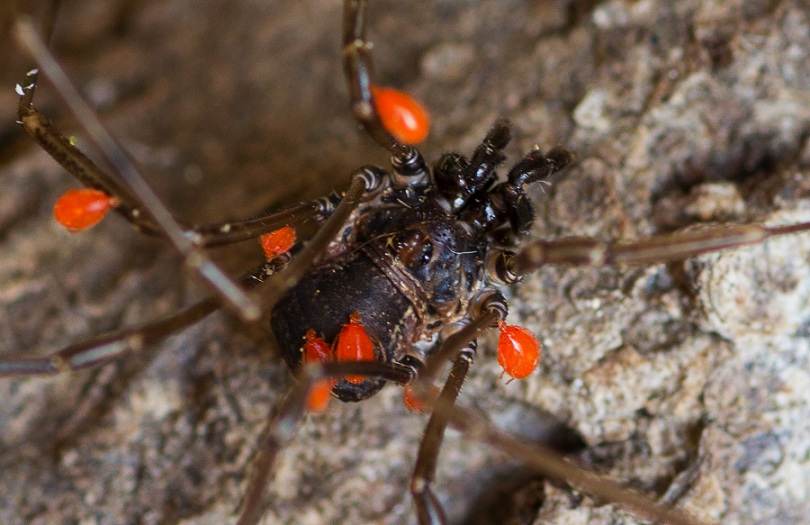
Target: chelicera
{"x":493,"y":216}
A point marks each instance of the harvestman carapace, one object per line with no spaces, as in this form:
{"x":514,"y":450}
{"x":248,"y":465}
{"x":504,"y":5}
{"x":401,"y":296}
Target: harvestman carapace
{"x":418,"y":256}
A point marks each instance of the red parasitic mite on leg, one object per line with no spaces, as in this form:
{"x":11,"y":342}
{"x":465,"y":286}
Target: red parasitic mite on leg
{"x":80,"y":209}
{"x":277,"y":242}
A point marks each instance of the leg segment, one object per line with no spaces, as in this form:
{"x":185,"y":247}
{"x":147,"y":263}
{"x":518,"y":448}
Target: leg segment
{"x":548,"y":462}
{"x":409,"y":166}
{"x":154,"y":211}
{"x":282,"y":427}
{"x":459,"y":348}
{"x":358,"y":67}
{"x":100,"y":350}
{"x":86,"y":172}
{"x":428,"y":508}
{"x":105,"y":348}
{"x":485,"y":311}
{"x":230,"y":232}
{"x":652,"y":250}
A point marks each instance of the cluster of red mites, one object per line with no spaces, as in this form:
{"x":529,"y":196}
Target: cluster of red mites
{"x":352,"y":344}
{"x":518,"y":354}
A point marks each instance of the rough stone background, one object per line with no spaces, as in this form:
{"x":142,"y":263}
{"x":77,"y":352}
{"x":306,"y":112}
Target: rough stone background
{"x":681,"y":112}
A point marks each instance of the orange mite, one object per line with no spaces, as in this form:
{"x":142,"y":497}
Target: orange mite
{"x":277,"y":242}
{"x":319,"y":396}
{"x":316,"y":350}
{"x":80,"y":209}
{"x":354,"y":344}
{"x":518,"y":350}
{"x":413,"y":403}
{"x":403,"y":117}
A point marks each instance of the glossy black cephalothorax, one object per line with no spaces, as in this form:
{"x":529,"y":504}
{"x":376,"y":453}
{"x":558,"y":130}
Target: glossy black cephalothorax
{"x":415,"y":255}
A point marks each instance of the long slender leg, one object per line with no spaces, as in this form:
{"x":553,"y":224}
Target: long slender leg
{"x":487,"y":310}
{"x":358,"y":66}
{"x":77,"y":163}
{"x":282,"y":427}
{"x":545,"y":460}
{"x":655,"y":249}
{"x":428,"y":508}
{"x":85,"y":171}
{"x":549,"y":463}
{"x":409,"y":166}
{"x":108,"y":347}
{"x":459,"y":348}
{"x":229,"y":232}
{"x":155,"y":212}
{"x":365,"y":181}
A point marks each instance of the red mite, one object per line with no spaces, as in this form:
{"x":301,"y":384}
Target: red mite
{"x":277,"y":242}
{"x":80,"y":209}
{"x":414,"y":403}
{"x":316,"y":350}
{"x":402,"y":115}
{"x":518,"y":350}
{"x":354,"y":344}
